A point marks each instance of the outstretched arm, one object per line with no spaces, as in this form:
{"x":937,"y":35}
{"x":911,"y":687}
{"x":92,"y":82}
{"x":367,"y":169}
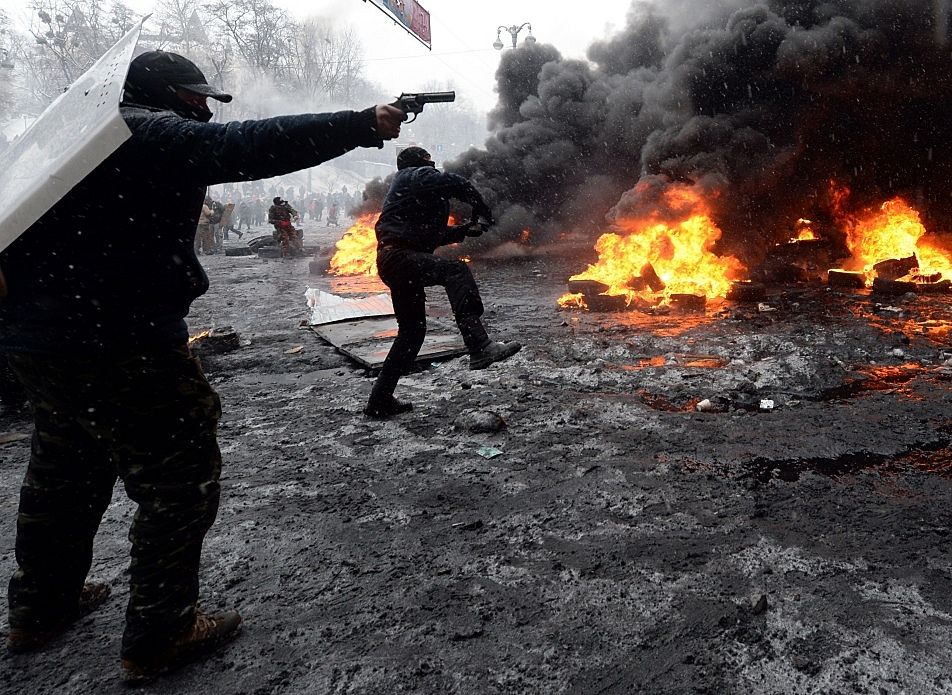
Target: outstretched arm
{"x":247,"y":150}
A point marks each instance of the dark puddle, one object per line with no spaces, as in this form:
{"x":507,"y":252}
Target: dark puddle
{"x":934,"y":458}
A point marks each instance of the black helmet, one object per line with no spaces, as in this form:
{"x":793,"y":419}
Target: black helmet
{"x":414,"y":157}
{"x":155,"y":76}
{"x":277,"y":201}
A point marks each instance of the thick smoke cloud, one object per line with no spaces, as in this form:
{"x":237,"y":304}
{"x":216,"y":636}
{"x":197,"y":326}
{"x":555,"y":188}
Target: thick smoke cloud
{"x":765,"y":102}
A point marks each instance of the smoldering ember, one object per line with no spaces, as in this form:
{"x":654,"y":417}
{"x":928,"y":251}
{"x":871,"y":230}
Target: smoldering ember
{"x":722,"y":461}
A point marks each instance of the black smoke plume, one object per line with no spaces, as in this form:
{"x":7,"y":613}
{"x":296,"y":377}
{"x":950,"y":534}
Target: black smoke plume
{"x":765,"y":102}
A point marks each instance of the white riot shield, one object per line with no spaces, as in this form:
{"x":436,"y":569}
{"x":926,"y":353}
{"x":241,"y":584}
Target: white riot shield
{"x":70,"y":138}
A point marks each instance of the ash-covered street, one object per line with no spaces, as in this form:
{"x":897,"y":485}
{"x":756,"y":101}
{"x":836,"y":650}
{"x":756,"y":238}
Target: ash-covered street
{"x":621,"y":542}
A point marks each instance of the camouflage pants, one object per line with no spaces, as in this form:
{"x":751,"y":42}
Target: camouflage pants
{"x":150,"y":420}
{"x":205,"y":239}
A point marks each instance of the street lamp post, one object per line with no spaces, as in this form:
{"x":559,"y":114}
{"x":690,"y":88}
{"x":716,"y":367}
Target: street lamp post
{"x":513,"y":32}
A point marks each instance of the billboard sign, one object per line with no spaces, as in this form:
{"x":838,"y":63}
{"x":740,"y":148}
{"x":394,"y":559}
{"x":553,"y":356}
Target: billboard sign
{"x":411,"y":15}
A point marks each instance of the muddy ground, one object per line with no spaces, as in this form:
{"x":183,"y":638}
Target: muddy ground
{"x":622,"y":542}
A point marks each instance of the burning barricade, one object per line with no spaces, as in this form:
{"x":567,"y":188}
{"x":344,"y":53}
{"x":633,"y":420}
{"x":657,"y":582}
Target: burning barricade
{"x":356,"y":252}
{"x":664,"y":258}
{"x":890,"y":250}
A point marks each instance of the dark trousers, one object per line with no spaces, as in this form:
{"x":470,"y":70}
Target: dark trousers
{"x":407,"y":274}
{"x":150,"y":420}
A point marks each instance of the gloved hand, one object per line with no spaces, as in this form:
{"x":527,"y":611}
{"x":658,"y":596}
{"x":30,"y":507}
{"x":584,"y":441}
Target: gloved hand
{"x":483,"y":211}
{"x":474,"y":228}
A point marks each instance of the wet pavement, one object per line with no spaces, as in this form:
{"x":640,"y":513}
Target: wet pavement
{"x":622,"y":542}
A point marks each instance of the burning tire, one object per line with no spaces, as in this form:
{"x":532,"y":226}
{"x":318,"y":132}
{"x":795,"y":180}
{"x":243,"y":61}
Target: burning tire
{"x":747,"y":291}
{"x":892,"y":287}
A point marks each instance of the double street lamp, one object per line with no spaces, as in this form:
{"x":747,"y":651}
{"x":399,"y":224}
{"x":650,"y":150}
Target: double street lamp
{"x":513,"y":32}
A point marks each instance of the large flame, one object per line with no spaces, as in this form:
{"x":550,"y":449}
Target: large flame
{"x":894,"y":231}
{"x":357,"y":250}
{"x":677,"y":248}
{"x":805,"y":231}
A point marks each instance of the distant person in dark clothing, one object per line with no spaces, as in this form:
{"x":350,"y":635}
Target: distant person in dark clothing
{"x":214,"y":221}
{"x":244,"y":216}
{"x":281,"y":215}
{"x":93,"y":323}
{"x":412,"y":225}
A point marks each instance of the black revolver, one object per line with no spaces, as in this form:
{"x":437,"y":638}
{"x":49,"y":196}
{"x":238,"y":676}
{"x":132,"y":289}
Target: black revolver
{"x":413,"y":103}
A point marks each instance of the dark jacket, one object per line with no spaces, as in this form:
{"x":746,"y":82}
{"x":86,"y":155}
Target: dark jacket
{"x":281,"y":213}
{"x":112,"y":267}
{"x":417,"y":208}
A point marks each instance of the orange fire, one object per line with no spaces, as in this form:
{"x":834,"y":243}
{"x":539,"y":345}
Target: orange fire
{"x":804,"y":231}
{"x":525,"y":237}
{"x":198,"y":336}
{"x":357,"y":250}
{"x":894,"y":231}
{"x":678,"y":249}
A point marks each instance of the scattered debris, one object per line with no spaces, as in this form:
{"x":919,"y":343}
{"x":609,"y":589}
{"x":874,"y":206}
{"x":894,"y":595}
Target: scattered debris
{"x":295,"y":350}
{"x":688,"y":303}
{"x":846,"y":279}
{"x":746,"y":291}
{"x":479,"y":421}
{"x":651,"y":279}
{"x":488,"y":452}
{"x":322,"y":261}
{"x":468,"y":525}
{"x":587,"y":287}
{"x":215,"y":341}
{"x":705,"y":406}
{"x":892,"y":287}
{"x":895,"y":268}
{"x":606,"y":302}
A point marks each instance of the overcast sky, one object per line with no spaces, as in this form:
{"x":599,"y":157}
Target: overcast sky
{"x":463,"y":33}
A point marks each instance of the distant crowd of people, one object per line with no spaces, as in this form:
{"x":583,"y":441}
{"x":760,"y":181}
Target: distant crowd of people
{"x":221,"y":218}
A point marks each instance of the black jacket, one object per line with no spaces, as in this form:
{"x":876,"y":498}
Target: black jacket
{"x":111,"y":267}
{"x":417,"y":208}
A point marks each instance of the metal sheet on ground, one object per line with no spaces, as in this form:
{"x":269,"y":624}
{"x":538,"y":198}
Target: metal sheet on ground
{"x":328,"y":308}
{"x":368,"y":340}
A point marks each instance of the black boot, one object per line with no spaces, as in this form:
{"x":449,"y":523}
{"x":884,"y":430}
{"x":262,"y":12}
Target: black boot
{"x":493,"y":352}
{"x":382,"y":407}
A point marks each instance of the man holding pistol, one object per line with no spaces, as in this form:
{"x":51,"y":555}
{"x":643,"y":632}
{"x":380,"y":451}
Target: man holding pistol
{"x":93,"y":322}
{"x":412,"y":225}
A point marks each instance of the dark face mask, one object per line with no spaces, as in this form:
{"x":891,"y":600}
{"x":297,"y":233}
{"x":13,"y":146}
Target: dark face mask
{"x":194,"y":113}
{"x":164,"y":97}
